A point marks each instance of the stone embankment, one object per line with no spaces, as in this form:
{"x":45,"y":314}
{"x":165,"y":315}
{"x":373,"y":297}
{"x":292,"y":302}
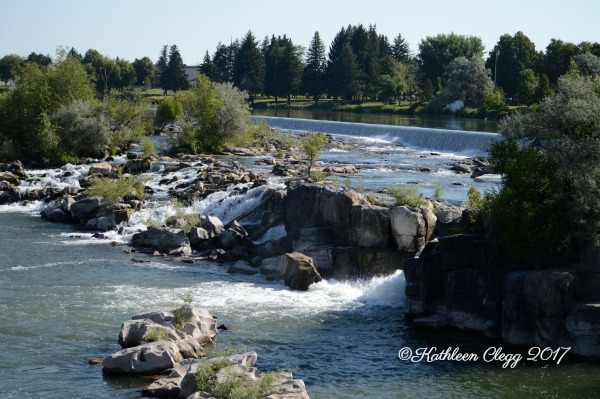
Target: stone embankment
{"x":172,"y":345}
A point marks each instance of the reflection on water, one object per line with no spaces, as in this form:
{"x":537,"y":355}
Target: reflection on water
{"x":436,"y":122}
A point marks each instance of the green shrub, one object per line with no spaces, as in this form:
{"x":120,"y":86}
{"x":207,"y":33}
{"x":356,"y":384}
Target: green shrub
{"x":157,"y":334}
{"x":361,"y":185}
{"x":317,"y":175}
{"x":439,"y":191}
{"x":406,"y":196}
{"x":115,"y":190}
{"x":148,"y":149}
{"x":184,"y":313}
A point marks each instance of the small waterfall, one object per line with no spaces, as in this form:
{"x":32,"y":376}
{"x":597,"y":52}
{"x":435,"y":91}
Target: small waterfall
{"x":443,"y":140}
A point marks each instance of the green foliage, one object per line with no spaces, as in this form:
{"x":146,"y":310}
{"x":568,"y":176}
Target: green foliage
{"x":406,"y":196}
{"x":317,"y":175}
{"x":83,"y":128}
{"x":361,"y":185}
{"x":312,"y":144}
{"x":183,"y":219}
{"x":168,"y":110}
{"x":148,"y":148}
{"x":439,"y":191}
{"x":517,"y":53}
{"x":547,"y":207}
{"x":313,"y":75}
{"x":234,"y":386}
{"x":249,"y":66}
{"x":115,"y":190}
{"x":436,"y":52}
{"x":467,"y":80}
{"x":157,"y":334}
{"x":184,"y":313}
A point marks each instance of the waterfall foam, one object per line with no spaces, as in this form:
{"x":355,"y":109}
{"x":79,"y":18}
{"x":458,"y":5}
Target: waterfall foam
{"x":452,"y":141}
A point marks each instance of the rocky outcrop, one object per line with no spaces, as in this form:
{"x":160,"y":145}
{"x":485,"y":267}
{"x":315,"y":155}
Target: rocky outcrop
{"x":169,"y":241}
{"x":328,"y":214}
{"x":412,"y":227}
{"x":468,"y":284}
{"x":181,"y":355}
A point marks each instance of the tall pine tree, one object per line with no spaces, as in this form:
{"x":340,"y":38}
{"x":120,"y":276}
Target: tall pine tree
{"x":176,"y":77}
{"x":249,"y":66}
{"x":313,"y":76}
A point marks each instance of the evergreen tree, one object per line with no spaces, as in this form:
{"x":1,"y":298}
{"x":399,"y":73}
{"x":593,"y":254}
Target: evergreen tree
{"x":249,"y":66}
{"x":273,"y":57}
{"x":313,"y":76}
{"x":210,"y":69}
{"x":161,"y":67}
{"x":291,"y":66}
{"x":176,"y":77}
{"x":401,"y":49}
{"x":334,"y":81}
{"x":344,"y":72}
{"x":40,"y":59}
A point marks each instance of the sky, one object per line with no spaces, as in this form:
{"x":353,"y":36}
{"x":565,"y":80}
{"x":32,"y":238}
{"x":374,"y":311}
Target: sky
{"x":133,"y":29}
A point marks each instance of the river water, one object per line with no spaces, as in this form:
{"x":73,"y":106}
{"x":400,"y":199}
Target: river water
{"x":64,"y":294}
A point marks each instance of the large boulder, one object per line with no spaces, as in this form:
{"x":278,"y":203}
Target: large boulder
{"x":12,"y":194}
{"x":300,"y":271}
{"x":102,"y":168}
{"x":212,"y":225}
{"x":86,"y":208}
{"x":412,"y":227}
{"x":335,"y":214}
{"x":148,"y":358}
{"x":137,"y":166}
{"x":170,"y":241}
{"x":198,"y":236}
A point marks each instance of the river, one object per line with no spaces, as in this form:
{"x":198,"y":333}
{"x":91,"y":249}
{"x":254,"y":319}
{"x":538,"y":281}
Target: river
{"x":64,"y":294}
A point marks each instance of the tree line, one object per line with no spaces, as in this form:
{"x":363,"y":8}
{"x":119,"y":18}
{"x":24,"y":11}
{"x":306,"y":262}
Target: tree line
{"x":359,"y":65}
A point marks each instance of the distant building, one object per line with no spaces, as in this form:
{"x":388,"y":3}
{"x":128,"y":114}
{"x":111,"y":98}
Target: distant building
{"x":191,"y":72}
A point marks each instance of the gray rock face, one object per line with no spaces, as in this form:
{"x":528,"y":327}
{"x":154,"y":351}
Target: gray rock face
{"x":412,"y":227}
{"x":583,"y":329}
{"x":343,"y":215}
{"x":144,"y":359}
{"x":170,"y":241}
{"x":300,"y":271}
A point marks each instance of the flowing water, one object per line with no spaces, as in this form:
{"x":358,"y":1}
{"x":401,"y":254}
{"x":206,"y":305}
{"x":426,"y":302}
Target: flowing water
{"x":64,"y":294}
